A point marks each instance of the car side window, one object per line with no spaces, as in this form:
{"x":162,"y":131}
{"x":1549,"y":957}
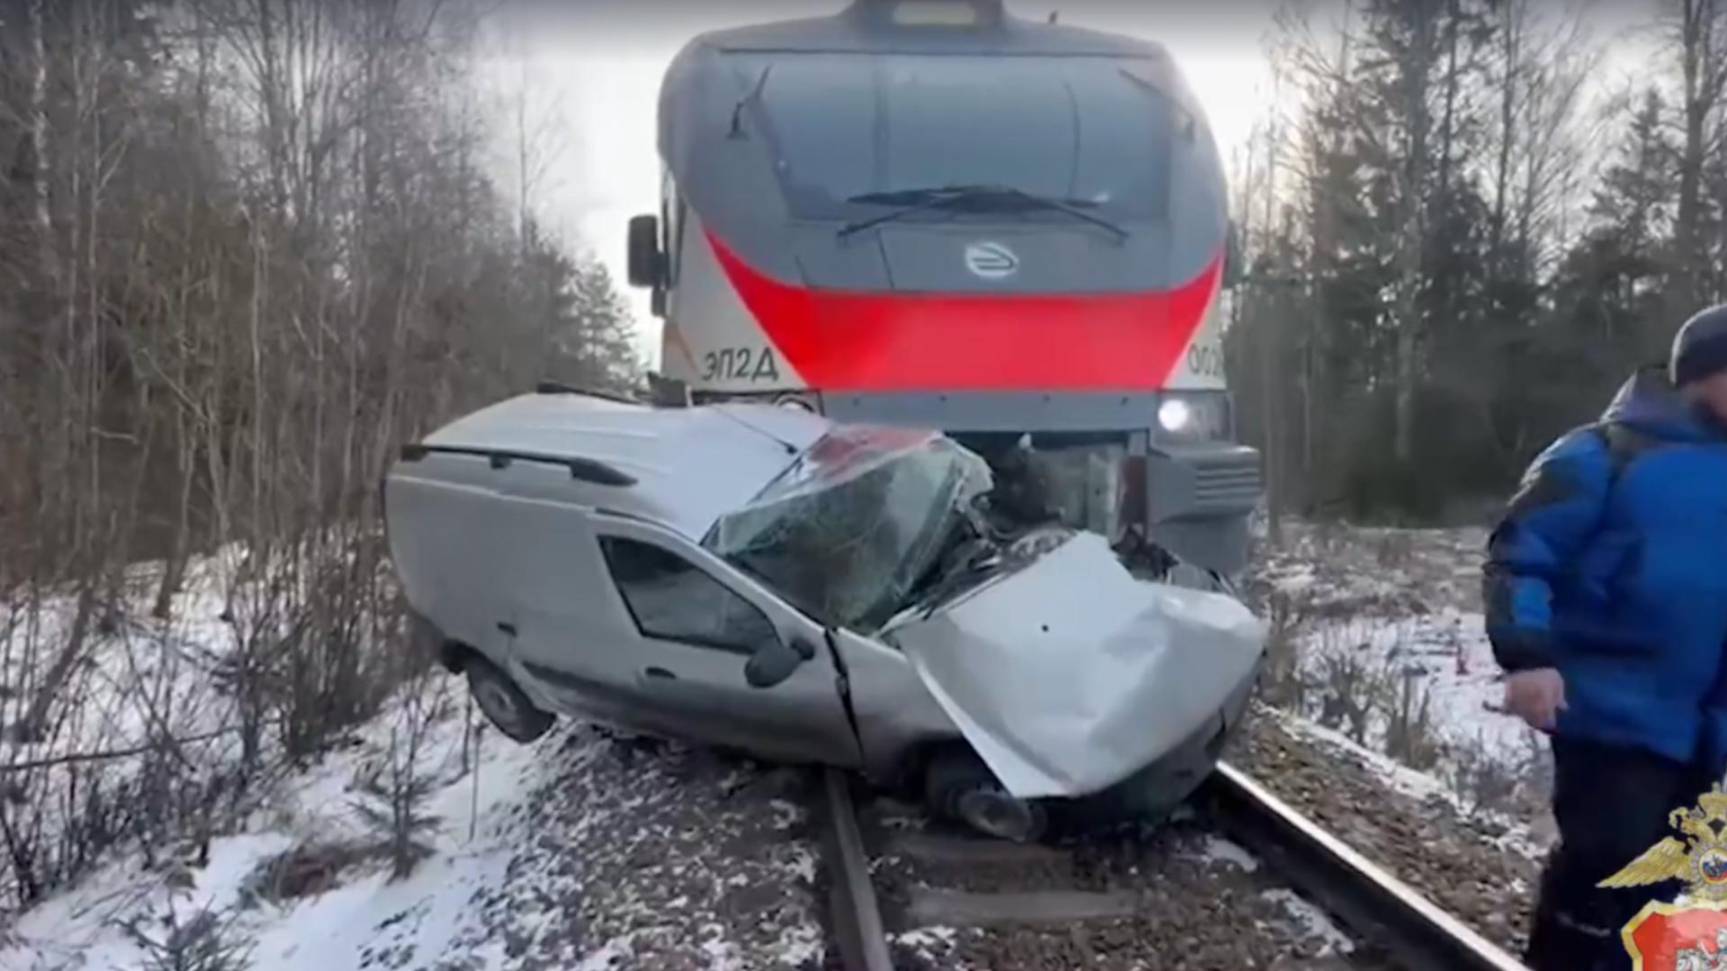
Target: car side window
{"x":673,"y":599}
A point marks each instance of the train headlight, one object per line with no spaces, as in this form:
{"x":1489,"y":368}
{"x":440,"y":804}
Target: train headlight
{"x":1175,"y":415}
{"x":1193,"y":416}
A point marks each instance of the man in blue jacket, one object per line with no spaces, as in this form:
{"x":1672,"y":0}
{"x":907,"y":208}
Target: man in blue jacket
{"x":1606,"y":595}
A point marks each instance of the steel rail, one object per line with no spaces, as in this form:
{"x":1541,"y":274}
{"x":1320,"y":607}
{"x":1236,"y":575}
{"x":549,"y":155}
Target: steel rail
{"x":1376,"y":905}
{"x":857,"y":922}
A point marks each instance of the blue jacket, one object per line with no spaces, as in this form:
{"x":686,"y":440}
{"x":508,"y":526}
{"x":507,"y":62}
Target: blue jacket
{"x":1611,"y":565}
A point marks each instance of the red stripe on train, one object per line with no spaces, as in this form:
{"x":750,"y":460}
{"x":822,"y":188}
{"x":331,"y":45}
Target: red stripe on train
{"x":846,"y":341}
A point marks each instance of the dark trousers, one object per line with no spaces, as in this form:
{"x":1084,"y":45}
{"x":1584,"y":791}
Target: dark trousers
{"x":1611,"y":804}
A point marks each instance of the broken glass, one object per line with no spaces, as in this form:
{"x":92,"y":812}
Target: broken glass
{"x":848,"y":532}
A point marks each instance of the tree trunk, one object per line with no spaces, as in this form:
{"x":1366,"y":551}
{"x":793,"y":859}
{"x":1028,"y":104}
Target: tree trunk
{"x":41,"y":214}
{"x":1702,"y":74}
{"x":1412,"y":239}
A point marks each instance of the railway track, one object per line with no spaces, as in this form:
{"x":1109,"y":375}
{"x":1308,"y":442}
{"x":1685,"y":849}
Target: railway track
{"x":1089,"y":901}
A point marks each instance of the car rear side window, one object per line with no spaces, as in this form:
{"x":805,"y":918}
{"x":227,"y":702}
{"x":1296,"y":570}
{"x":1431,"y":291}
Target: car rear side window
{"x":673,"y":599}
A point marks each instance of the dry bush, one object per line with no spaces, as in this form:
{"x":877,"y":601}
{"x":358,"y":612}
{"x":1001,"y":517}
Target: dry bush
{"x":1482,"y":782}
{"x":1282,"y":682}
{"x":1516,"y":786}
{"x":1350,"y":693}
{"x":205,"y":940}
{"x":1410,"y":735}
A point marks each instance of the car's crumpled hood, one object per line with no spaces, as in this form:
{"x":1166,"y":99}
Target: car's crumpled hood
{"x":1069,"y":675}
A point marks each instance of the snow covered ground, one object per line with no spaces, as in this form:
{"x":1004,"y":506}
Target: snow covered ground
{"x":1382,"y":643}
{"x":580,"y":851}
{"x":88,"y":927}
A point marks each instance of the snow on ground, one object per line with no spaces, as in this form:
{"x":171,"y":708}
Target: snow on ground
{"x":1217,"y":850}
{"x":170,"y":659}
{"x":580,"y":851}
{"x":365,"y":913}
{"x":1386,"y":649}
{"x":583,"y":850}
{"x":1448,"y":654}
{"x":1312,"y":921}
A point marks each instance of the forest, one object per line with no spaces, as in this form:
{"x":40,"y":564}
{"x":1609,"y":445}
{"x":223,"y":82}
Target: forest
{"x":247,"y":248}
{"x":1463,"y":231}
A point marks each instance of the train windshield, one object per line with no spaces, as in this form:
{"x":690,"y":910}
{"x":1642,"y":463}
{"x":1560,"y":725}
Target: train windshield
{"x":846,"y":127}
{"x":847,"y":532}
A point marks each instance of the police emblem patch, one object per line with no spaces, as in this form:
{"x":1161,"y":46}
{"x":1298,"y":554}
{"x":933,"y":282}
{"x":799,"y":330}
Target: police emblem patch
{"x":1689,"y":934}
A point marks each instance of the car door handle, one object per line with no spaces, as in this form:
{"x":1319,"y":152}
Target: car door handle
{"x":661,"y":674}
{"x":509,"y":629}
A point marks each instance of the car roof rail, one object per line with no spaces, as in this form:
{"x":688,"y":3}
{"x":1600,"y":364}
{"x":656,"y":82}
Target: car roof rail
{"x":667,"y":392}
{"x":559,"y":387}
{"x":585,"y":469}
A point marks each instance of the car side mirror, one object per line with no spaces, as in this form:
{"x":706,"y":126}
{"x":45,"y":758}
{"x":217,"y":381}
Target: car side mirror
{"x":771,"y":664}
{"x":644,"y":256}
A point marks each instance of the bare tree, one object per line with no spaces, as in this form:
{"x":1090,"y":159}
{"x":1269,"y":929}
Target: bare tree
{"x":1702,"y":48}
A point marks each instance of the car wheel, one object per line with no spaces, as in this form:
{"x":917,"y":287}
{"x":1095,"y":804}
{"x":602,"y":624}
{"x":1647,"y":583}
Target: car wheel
{"x":958,"y":786}
{"x":503,"y":703}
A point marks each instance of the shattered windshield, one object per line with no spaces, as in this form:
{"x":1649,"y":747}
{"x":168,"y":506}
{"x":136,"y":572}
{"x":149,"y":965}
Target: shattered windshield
{"x":848,"y":531}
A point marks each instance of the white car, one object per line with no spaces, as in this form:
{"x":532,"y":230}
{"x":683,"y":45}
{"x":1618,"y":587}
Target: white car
{"x":761,"y":578}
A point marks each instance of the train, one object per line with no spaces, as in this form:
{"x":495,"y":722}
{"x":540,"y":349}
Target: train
{"x":935,"y":213}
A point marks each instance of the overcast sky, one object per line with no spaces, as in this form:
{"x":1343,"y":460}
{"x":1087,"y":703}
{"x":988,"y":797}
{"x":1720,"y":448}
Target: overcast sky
{"x":593,"y":69}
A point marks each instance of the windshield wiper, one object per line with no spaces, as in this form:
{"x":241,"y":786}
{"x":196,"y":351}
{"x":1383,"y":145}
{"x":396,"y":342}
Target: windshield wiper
{"x":984,"y":197}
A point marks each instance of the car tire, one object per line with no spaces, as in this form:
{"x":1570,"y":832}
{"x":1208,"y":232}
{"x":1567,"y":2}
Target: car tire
{"x":959,"y":787}
{"x":503,"y":703}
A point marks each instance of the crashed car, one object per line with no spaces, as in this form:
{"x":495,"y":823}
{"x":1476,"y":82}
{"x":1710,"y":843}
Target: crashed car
{"x":760,"y":578}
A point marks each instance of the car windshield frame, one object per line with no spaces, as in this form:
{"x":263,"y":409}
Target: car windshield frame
{"x":849,"y":530}
{"x":1084,"y":130}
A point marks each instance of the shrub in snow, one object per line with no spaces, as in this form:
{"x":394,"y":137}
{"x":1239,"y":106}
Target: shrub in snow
{"x":1352,"y":693}
{"x":205,"y":941}
{"x":392,"y":801}
{"x":1410,"y":734}
{"x":1282,"y":683}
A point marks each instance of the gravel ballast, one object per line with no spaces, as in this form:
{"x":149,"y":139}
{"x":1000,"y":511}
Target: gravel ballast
{"x":1477,"y":869}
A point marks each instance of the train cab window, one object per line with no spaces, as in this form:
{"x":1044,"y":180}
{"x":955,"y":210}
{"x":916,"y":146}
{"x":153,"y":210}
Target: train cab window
{"x":822,"y":120}
{"x":672,"y":599}
{"x":1077,"y":129}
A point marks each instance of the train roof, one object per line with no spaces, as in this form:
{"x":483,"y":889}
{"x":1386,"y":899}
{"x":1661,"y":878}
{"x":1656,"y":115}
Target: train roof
{"x":868,"y":26}
{"x":682,"y":467}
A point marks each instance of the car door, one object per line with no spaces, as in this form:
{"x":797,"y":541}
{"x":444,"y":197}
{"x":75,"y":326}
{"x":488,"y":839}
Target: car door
{"x":566,"y":636}
{"x":697,"y":623}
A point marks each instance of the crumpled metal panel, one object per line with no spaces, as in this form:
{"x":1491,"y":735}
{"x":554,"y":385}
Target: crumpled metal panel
{"x":1069,"y":675}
